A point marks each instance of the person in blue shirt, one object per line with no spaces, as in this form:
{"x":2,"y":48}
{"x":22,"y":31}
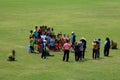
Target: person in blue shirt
{"x":36,"y":32}
{"x":106,"y":47}
{"x":73,"y":39}
{"x":52,"y":43}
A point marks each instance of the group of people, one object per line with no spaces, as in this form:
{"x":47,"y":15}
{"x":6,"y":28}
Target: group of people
{"x":96,"y":48}
{"x":78,"y":47}
{"x":42,"y":39}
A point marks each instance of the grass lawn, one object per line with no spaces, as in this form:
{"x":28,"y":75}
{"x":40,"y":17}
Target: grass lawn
{"x":88,"y":18}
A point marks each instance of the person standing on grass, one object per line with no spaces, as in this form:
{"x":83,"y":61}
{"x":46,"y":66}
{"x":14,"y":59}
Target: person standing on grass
{"x":31,"y":34}
{"x":84,"y":46}
{"x":44,"y":50}
{"x":95,"y":49}
{"x":76,"y":51}
{"x":73,"y":39}
{"x":98,"y":52}
{"x":66,"y":47}
{"x":32,"y":42}
{"x":106,"y":47}
{"x":80,"y":49}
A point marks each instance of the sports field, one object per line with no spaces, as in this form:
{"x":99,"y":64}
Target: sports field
{"x":89,"y":18}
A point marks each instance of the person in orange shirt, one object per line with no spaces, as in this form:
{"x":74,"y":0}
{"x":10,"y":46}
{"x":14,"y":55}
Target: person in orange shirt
{"x":66,"y":47}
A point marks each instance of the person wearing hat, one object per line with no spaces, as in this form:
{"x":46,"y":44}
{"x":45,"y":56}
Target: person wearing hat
{"x":44,"y":50}
{"x":73,"y":39}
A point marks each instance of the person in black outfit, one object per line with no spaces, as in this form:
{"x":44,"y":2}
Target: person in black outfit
{"x":80,"y":50}
{"x":106,"y":47}
{"x":44,"y":50}
{"x":84,"y":46}
{"x":76,"y":51}
{"x":12,"y":57}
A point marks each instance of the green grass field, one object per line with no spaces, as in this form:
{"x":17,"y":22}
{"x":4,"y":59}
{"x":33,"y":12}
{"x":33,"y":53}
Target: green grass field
{"x":88,"y":18}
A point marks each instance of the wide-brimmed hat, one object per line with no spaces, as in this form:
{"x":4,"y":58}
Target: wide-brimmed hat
{"x":72,"y":32}
{"x":83,"y":38}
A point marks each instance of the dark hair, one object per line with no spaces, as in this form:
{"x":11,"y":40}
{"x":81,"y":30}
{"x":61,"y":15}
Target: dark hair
{"x":107,"y":39}
{"x":31,"y":31}
{"x":36,"y":27}
{"x":67,"y":41}
{"x":99,"y":39}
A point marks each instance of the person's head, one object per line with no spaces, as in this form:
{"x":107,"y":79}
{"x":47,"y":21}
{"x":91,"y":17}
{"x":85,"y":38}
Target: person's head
{"x":36,"y":27}
{"x":107,"y":39}
{"x":43,"y":33}
{"x":67,"y":41}
{"x":64,"y":35}
{"x":72,"y":33}
{"x":99,"y":39}
{"x":68,"y":36}
{"x":31,"y":31}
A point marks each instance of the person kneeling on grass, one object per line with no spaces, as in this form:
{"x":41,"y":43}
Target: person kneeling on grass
{"x":12,"y":57}
{"x":48,"y":52}
{"x":113,"y":44}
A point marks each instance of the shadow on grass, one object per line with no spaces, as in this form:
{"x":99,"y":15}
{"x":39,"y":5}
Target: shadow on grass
{"x":12,"y":61}
{"x":108,"y":56}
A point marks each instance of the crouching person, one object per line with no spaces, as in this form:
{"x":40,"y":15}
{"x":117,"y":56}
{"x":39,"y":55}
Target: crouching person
{"x":12,"y":57}
{"x":113,"y":44}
